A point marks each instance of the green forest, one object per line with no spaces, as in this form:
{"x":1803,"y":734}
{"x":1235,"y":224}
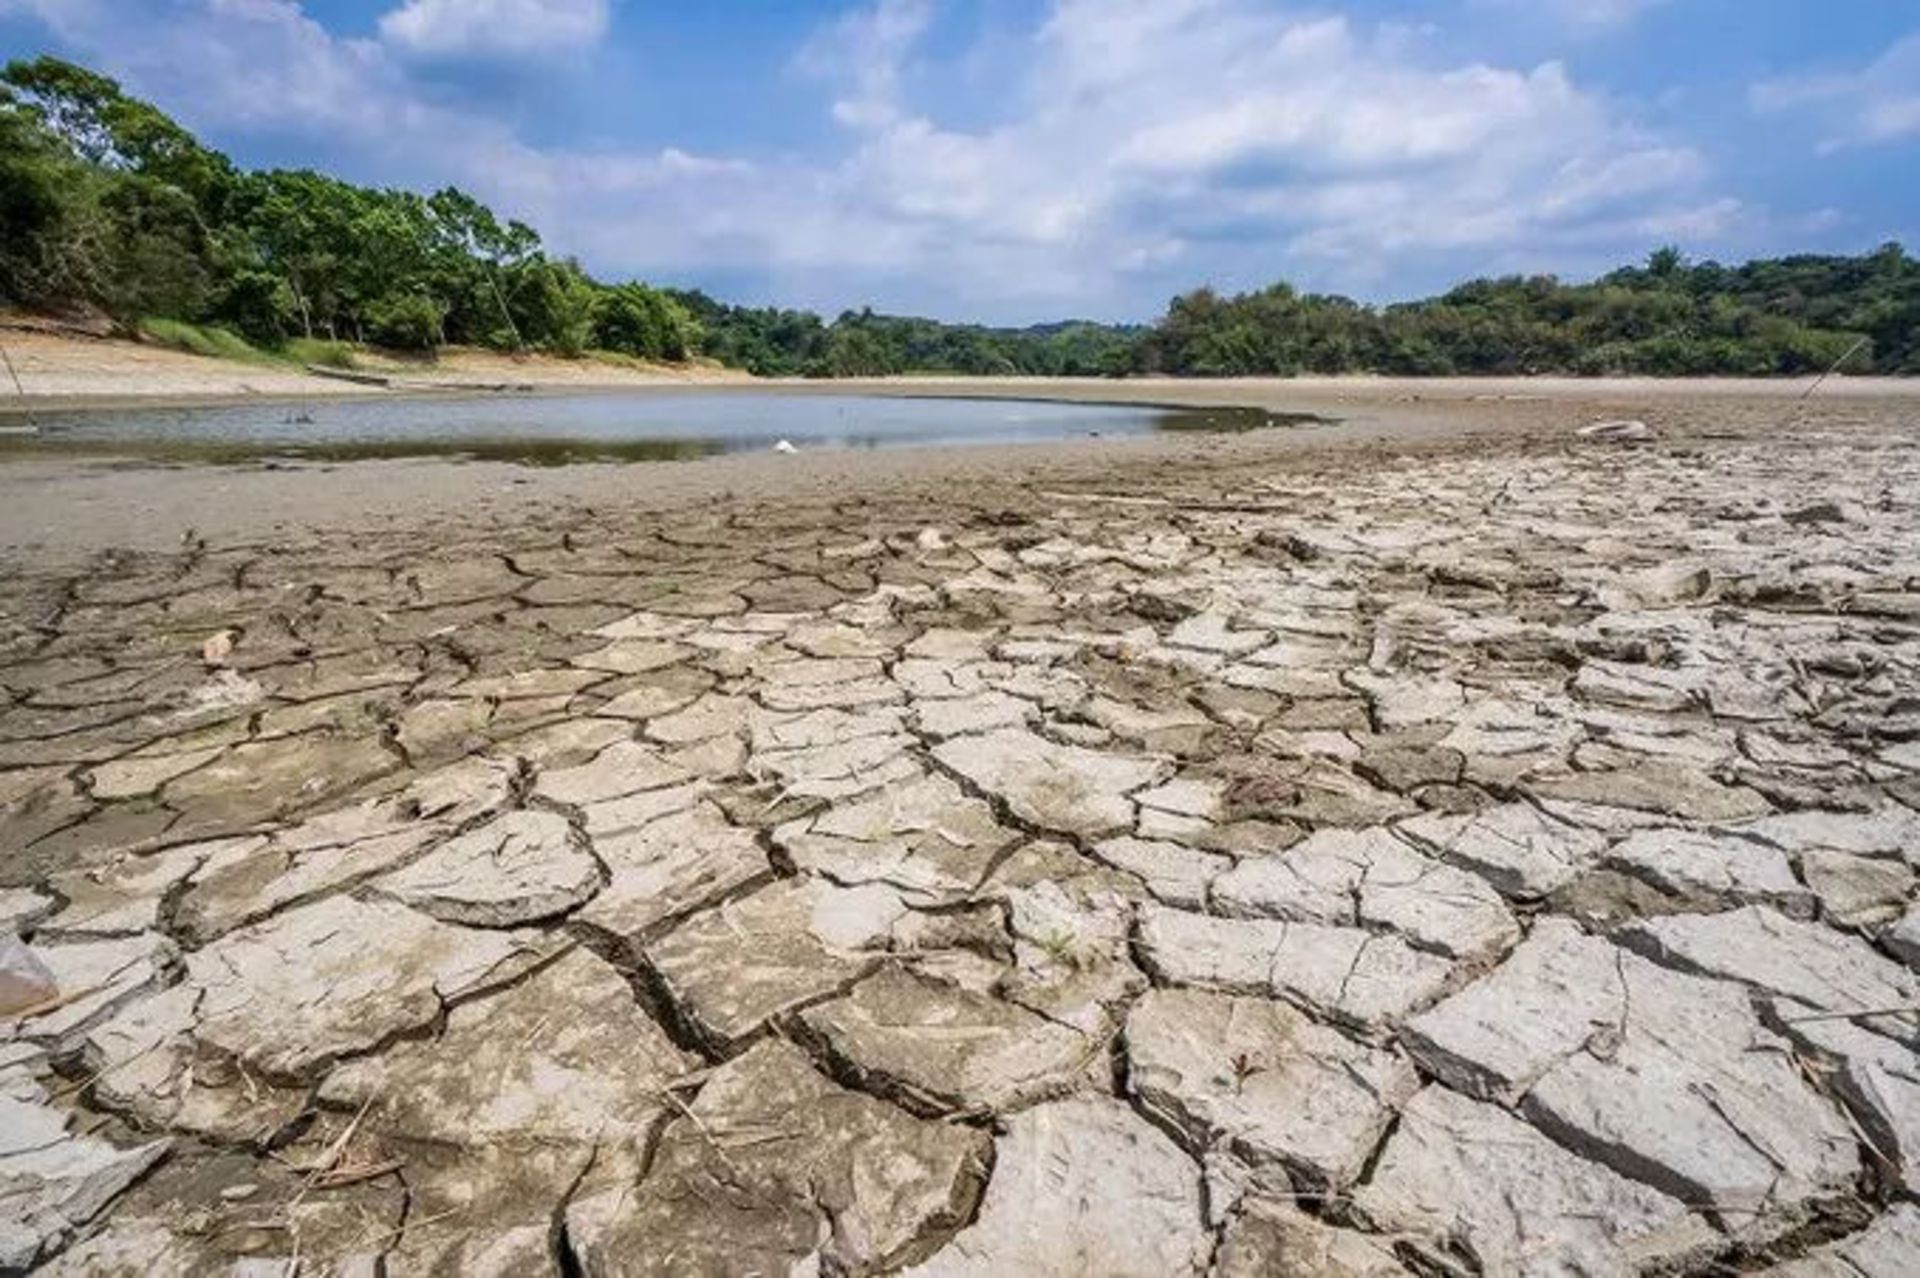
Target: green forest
{"x":108,"y":204}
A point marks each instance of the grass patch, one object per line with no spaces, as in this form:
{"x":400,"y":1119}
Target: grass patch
{"x":199,"y":339}
{"x":316,"y":350}
{"x":620,"y":359}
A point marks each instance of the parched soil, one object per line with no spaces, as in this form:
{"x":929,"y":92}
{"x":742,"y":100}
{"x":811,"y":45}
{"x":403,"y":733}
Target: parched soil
{"x":1453,"y":845}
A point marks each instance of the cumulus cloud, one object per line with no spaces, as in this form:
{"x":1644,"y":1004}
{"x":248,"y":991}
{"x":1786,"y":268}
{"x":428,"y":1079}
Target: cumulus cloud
{"x":1872,"y":105}
{"x":494,"y":28}
{"x":1128,"y":149}
{"x":1152,"y":136}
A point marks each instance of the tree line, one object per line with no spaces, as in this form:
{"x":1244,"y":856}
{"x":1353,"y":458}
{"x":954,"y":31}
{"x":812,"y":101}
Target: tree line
{"x":108,"y":203}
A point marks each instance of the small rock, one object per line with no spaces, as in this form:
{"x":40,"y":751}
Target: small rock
{"x":218,"y":647}
{"x":1820,"y":512}
{"x":1617,"y":432}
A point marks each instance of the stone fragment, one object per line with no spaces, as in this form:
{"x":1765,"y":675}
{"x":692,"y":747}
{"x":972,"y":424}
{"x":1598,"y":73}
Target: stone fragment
{"x":143,"y":1064}
{"x":124,"y":896}
{"x":1663,"y":787}
{"x":774,"y":730}
{"x":736,"y":966}
{"x":1261,"y":1077}
{"x":1070,"y":939}
{"x":1214,"y":632}
{"x":143,"y":774}
{"x":621,"y":769}
{"x":982,"y":712}
{"x":1890,"y":832}
{"x":663,"y":869}
{"x":1826,"y":970}
{"x":1902,"y":940}
{"x":92,"y":980}
{"x":633,"y":656}
{"x":229,"y":1213}
{"x":924,"y":836}
{"x":715,"y":714}
{"x":1265,"y":1238}
{"x":336,"y":849}
{"x":1173,"y":873}
{"x":1876,"y":1078}
{"x":521,"y":867}
{"x":1365,"y":980}
{"x":1175,"y":729}
{"x":287,"y":996}
{"x":1082,"y":1186}
{"x":772,"y":1169}
{"x":1707,"y":869}
{"x":489,"y":1212}
{"x":53,"y":1181}
{"x":1624,"y":431}
{"x":564,"y":1056}
{"x":1066,"y":789}
{"x":264,"y":779}
{"x":837,"y":771}
{"x":1371,"y":878}
{"x":1657,"y":1074}
{"x":1888,"y":1248}
{"x":1460,"y":1176}
{"x":940,"y":1048}
{"x":1520,"y":850}
{"x":22,"y":908}
{"x":1857,"y":891}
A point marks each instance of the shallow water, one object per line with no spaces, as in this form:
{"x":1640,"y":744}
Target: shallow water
{"x":560,"y":429}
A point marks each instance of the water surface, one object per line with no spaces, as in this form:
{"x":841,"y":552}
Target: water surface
{"x":559,"y":429}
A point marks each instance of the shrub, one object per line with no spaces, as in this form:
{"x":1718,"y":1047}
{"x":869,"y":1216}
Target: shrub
{"x":196,"y":339}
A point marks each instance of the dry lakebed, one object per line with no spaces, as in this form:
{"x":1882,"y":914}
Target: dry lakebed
{"x":1434,"y":840}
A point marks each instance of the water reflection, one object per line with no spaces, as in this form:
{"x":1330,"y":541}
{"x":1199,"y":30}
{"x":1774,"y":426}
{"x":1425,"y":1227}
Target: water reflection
{"x":571,"y":429}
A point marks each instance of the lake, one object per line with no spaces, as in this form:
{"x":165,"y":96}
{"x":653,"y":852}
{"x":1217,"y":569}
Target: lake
{"x":560,"y":429}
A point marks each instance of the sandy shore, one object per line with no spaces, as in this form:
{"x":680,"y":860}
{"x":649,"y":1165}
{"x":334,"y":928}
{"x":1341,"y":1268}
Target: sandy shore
{"x":53,"y":507}
{"x":60,"y":371}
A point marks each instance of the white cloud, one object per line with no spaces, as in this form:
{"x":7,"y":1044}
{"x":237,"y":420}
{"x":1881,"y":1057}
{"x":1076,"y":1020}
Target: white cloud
{"x":1876,"y":104}
{"x":494,"y":28}
{"x":1591,"y":14}
{"x":1115,"y":152}
{"x":1149,"y":134}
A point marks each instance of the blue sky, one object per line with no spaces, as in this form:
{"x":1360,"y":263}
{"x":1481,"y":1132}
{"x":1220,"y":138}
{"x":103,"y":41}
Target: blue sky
{"x":1017,"y":160}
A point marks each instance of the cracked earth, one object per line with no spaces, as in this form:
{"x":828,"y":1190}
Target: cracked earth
{"x":1493,"y":860}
